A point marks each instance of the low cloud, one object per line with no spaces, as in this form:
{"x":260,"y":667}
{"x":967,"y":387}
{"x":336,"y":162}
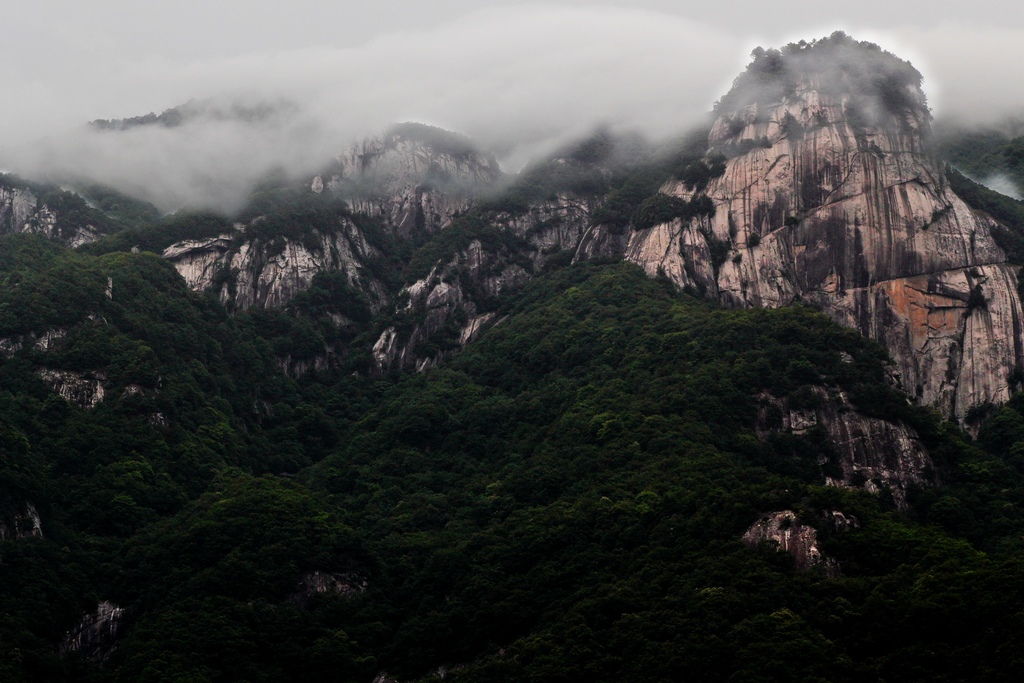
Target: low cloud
{"x":1002,"y":184}
{"x":972,"y":73}
{"x":518,"y":80}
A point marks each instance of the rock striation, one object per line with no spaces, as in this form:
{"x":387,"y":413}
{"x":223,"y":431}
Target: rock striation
{"x":249,"y":271}
{"x":85,"y":390}
{"x":23,"y":211}
{"x":411,"y":181}
{"x":785,"y":531}
{"x":830,"y":195}
{"x":454,"y":302}
{"x":23,"y":524}
{"x":863,"y":452}
{"x":442,"y":310}
{"x":94,"y":637}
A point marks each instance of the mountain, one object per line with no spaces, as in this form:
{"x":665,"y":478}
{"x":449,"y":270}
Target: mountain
{"x":408,"y":183}
{"x":831,"y":194}
{"x":818,"y":181}
{"x":635,"y":413}
{"x":60,"y":215}
{"x":418,"y":178}
{"x":200,"y":110}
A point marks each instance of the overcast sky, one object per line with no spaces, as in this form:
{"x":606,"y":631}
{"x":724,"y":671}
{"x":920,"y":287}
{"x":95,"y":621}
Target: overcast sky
{"x":515,"y":76}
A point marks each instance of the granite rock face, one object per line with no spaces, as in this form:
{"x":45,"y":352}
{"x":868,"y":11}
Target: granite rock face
{"x":443,"y":309}
{"x":25,"y":523}
{"x":85,"y":390}
{"x":451,"y":305}
{"x":44,"y":341}
{"x":94,"y":637}
{"x":21,"y":211}
{"x":247,"y":271}
{"x":853,"y":215}
{"x":413,"y":180}
{"x":863,"y":451}
{"x":416,"y":177}
{"x":786,"y":531}
{"x":345,"y":584}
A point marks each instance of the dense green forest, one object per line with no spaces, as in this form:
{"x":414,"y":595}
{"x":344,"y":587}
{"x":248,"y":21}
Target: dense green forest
{"x":563,"y":499}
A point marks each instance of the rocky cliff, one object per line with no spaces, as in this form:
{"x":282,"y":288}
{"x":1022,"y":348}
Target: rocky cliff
{"x":94,"y":637}
{"x":789,"y":534}
{"x":861,"y":451}
{"x":418,"y":178}
{"x":411,"y":181}
{"x":455,"y":301}
{"x":345,"y":584}
{"x":830,"y":195}
{"x":24,"y":210}
{"x":247,"y":270}
{"x":23,"y":523}
{"x":818,"y":184}
{"x":496,"y":246}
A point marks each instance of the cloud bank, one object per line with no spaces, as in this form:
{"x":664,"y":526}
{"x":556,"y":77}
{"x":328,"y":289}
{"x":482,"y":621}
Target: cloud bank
{"x":516,"y":79}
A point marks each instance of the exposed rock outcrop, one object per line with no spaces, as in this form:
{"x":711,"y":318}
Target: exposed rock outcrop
{"x":418,"y":178}
{"x":83,"y":389}
{"x":345,"y":584}
{"x":552,"y":226}
{"x":200,"y":261}
{"x":838,"y":522}
{"x":443,"y":309}
{"x":247,"y":271}
{"x":864,"y":452}
{"x":414,"y":179}
{"x":450,"y":306}
{"x":832,"y":197}
{"x":44,"y":341}
{"x":94,"y":637}
{"x":786,"y":531}
{"x":22,"y":211}
{"x":22,"y":525}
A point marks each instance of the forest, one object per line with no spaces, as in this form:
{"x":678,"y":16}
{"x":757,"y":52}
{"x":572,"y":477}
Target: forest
{"x":573,"y":492}
{"x":566,"y":495}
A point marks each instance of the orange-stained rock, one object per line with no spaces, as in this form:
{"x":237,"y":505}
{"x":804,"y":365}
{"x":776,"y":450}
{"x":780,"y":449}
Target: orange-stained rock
{"x":860,"y":223}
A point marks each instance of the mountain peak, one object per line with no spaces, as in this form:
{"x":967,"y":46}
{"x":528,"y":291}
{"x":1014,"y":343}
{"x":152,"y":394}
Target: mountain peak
{"x":829,"y":195}
{"x":884,"y":87}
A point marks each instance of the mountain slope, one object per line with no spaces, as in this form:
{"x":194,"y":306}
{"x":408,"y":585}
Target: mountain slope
{"x":670,"y":469}
{"x":830,"y":195}
{"x":59,"y":215}
{"x":568,"y":494}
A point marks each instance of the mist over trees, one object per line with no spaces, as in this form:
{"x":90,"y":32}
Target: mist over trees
{"x":564,"y":497}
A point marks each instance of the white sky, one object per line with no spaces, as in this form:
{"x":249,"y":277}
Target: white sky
{"x":515,"y":76}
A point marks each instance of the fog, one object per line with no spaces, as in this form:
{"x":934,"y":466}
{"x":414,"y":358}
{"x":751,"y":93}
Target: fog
{"x":1000,"y":183}
{"x":518,"y":79}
